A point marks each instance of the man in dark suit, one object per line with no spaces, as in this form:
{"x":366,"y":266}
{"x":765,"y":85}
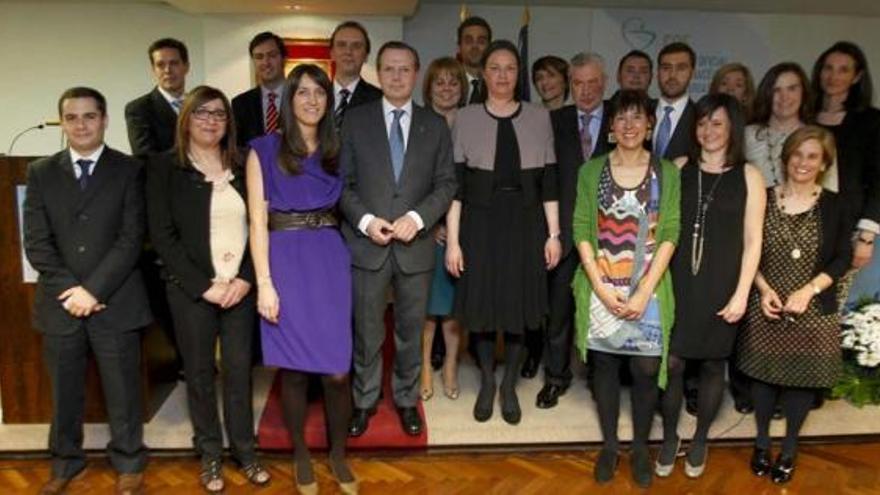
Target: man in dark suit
{"x":674,"y":114}
{"x":83,"y":231}
{"x":580,"y":133}
{"x":634,"y":71}
{"x":349,"y":47}
{"x":257,"y":110}
{"x":399,"y":180}
{"x":152,"y":118}
{"x":474,"y":36}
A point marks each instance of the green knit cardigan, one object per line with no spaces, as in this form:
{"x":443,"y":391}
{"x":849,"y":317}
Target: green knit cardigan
{"x":586,"y":221}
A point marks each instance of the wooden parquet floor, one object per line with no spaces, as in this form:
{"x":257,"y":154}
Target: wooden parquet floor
{"x":822,"y":469}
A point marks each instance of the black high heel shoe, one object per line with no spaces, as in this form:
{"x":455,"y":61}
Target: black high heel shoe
{"x":782,"y":470}
{"x":760,"y":463}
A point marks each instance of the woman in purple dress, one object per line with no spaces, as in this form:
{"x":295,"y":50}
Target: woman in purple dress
{"x":302,"y":265}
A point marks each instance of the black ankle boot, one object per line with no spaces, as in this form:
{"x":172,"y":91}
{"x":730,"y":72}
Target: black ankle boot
{"x":782,"y":470}
{"x":760,"y":463}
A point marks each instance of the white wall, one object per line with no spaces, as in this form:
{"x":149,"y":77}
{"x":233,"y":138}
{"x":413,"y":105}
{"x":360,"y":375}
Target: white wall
{"x":755,"y":39}
{"x":46,"y":48}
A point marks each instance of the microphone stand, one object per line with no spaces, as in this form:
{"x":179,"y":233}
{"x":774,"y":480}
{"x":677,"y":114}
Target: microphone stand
{"x":29,"y":129}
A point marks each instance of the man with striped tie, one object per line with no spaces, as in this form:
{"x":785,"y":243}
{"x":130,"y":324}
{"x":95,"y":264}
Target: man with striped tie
{"x":152,"y":118}
{"x":349,"y":47}
{"x":257,"y":110}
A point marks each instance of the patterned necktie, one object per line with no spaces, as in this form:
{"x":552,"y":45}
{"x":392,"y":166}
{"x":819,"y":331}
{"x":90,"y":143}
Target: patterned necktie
{"x":395,"y":141}
{"x":586,"y":137}
{"x":176,"y":104}
{"x":84,"y":170}
{"x":343,"y":104}
{"x":663,"y":133}
{"x":475,"y":91}
{"x":271,"y":113}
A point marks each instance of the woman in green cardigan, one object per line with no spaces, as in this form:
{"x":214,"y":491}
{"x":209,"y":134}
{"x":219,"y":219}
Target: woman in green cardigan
{"x":626,"y":224}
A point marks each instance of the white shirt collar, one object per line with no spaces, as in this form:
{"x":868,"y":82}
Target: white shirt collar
{"x":264,"y":90}
{"x":169,"y":97}
{"x":74,"y":156}
{"x":387,"y":107}
{"x":596,"y":113}
{"x":677,"y":105}
{"x":351,"y":86}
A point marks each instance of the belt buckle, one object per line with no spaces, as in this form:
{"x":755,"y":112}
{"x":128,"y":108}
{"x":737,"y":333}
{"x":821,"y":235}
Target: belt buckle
{"x":313,"y":220}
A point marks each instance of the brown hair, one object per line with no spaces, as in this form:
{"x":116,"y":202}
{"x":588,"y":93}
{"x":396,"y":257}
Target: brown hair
{"x":439,"y":66}
{"x":804,"y":134}
{"x":763,"y":106}
{"x":195,"y":99}
{"x":293,"y":149}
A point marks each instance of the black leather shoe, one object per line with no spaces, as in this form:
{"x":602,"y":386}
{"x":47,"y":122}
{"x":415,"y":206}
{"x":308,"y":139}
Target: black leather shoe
{"x":360,"y":421}
{"x":410,"y":420}
{"x":760,"y":463}
{"x":782,"y":470}
{"x":690,"y":404}
{"x":549,"y":396}
{"x":777,"y":412}
{"x":530,"y":366}
{"x":744,"y":407}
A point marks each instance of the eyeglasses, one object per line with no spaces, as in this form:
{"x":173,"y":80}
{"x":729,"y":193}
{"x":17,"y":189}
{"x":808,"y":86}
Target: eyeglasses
{"x":204,"y":114}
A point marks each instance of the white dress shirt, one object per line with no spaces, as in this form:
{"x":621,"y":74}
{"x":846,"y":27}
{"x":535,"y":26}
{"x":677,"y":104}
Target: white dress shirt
{"x":74,"y":156}
{"x":171,"y":99}
{"x":678,"y":107}
{"x":337,"y":91}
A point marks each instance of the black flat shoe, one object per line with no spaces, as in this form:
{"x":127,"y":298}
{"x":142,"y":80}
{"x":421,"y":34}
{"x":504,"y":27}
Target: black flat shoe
{"x":360,"y":421}
{"x":485,"y":404}
{"x":410,"y":420}
{"x":605,"y":466}
{"x":549,"y":396}
{"x":510,"y":410}
{"x":530,"y":367}
{"x":744,"y":407}
{"x":782,"y":470}
{"x":690,"y":404}
{"x":760,"y":462}
{"x":642,"y":470}
{"x":777,"y":412}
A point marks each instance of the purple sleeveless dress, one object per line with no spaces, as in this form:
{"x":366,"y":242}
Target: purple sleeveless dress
{"x":311,"y":270}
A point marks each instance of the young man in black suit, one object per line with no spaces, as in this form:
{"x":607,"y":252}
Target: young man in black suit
{"x":349,"y":47}
{"x":474,"y":36}
{"x":580,"y":132}
{"x":84,"y":228}
{"x":674,"y":115}
{"x":399,"y":181}
{"x":257,"y":110}
{"x":151,"y":119}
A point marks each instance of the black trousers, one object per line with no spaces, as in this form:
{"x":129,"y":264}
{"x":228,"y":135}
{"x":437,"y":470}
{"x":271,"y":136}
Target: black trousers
{"x":118,"y":354}
{"x":558,"y":336}
{"x":198,"y":324}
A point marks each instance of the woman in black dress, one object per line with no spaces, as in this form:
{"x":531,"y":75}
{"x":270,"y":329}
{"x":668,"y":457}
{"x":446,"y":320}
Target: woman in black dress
{"x":790,"y":345}
{"x":722,"y":213}
{"x":843,"y":88}
{"x":503,"y":228}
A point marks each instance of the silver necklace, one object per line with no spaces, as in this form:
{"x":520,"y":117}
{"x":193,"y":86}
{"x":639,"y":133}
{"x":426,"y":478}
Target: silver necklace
{"x":794,"y":240}
{"x":699,"y":235}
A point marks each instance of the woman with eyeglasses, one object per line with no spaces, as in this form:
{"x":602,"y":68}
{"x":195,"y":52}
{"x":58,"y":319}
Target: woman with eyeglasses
{"x":197,"y":213}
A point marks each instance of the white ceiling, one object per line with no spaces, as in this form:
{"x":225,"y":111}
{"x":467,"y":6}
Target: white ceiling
{"x":870,"y":8}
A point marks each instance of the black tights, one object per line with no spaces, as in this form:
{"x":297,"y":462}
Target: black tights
{"x":711,"y":392}
{"x":606,"y":391}
{"x":796,"y":404}
{"x":337,"y":409}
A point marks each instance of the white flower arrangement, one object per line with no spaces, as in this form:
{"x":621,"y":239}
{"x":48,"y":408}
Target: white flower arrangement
{"x":861,"y":334}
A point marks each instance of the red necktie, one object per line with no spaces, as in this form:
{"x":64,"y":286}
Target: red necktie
{"x":271,"y":113}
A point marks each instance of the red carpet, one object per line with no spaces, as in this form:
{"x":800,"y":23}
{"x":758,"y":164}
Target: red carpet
{"x":384,"y":431}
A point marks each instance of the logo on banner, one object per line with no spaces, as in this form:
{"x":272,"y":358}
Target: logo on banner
{"x":636,"y":33}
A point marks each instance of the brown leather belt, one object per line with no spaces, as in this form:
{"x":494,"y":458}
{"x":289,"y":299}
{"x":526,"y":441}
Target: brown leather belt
{"x":306,"y":220}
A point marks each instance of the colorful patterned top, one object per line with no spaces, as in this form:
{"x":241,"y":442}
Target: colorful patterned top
{"x":627,"y":223}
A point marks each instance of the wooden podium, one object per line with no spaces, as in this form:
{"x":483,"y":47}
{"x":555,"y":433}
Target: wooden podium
{"x":25,"y":390}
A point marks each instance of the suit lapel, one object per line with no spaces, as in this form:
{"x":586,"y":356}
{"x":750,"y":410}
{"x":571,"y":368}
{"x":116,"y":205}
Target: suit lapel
{"x":574,"y":130}
{"x":416,"y":130}
{"x":379,"y":134}
{"x":257,"y":106}
{"x":101,"y":173}
{"x":163,"y":109}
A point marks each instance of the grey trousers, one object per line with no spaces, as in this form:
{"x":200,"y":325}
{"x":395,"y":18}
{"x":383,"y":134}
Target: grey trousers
{"x":410,"y":303}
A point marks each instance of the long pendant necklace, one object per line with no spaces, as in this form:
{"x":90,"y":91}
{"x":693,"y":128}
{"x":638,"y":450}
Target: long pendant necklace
{"x":794,"y":241}
{"x":699,"y":235}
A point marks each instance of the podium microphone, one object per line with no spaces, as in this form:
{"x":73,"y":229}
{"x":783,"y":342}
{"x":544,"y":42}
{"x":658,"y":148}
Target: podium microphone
{"x":47,"y":123}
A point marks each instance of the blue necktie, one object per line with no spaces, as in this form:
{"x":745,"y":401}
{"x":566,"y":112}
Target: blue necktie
{"x":84,"y":166}
{"x":176,"y":104}
{"x":663,"y":133}
{"x":395,"y":140}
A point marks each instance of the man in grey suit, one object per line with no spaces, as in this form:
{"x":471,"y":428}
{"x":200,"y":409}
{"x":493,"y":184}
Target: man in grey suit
{"x":399,"y":180}
{"x":83,"y":232}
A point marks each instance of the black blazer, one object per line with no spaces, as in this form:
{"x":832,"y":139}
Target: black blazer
{"x":91,"y":238}
{"x":858,"y":158}
{"x":364,"y":92}
{"x":247,"y":108}
{"x":151,"y":124}
{"x":569,"y":158}
{"x":683,"y":135}
{"x":179,"y":211}
{"x":427,"y":183}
